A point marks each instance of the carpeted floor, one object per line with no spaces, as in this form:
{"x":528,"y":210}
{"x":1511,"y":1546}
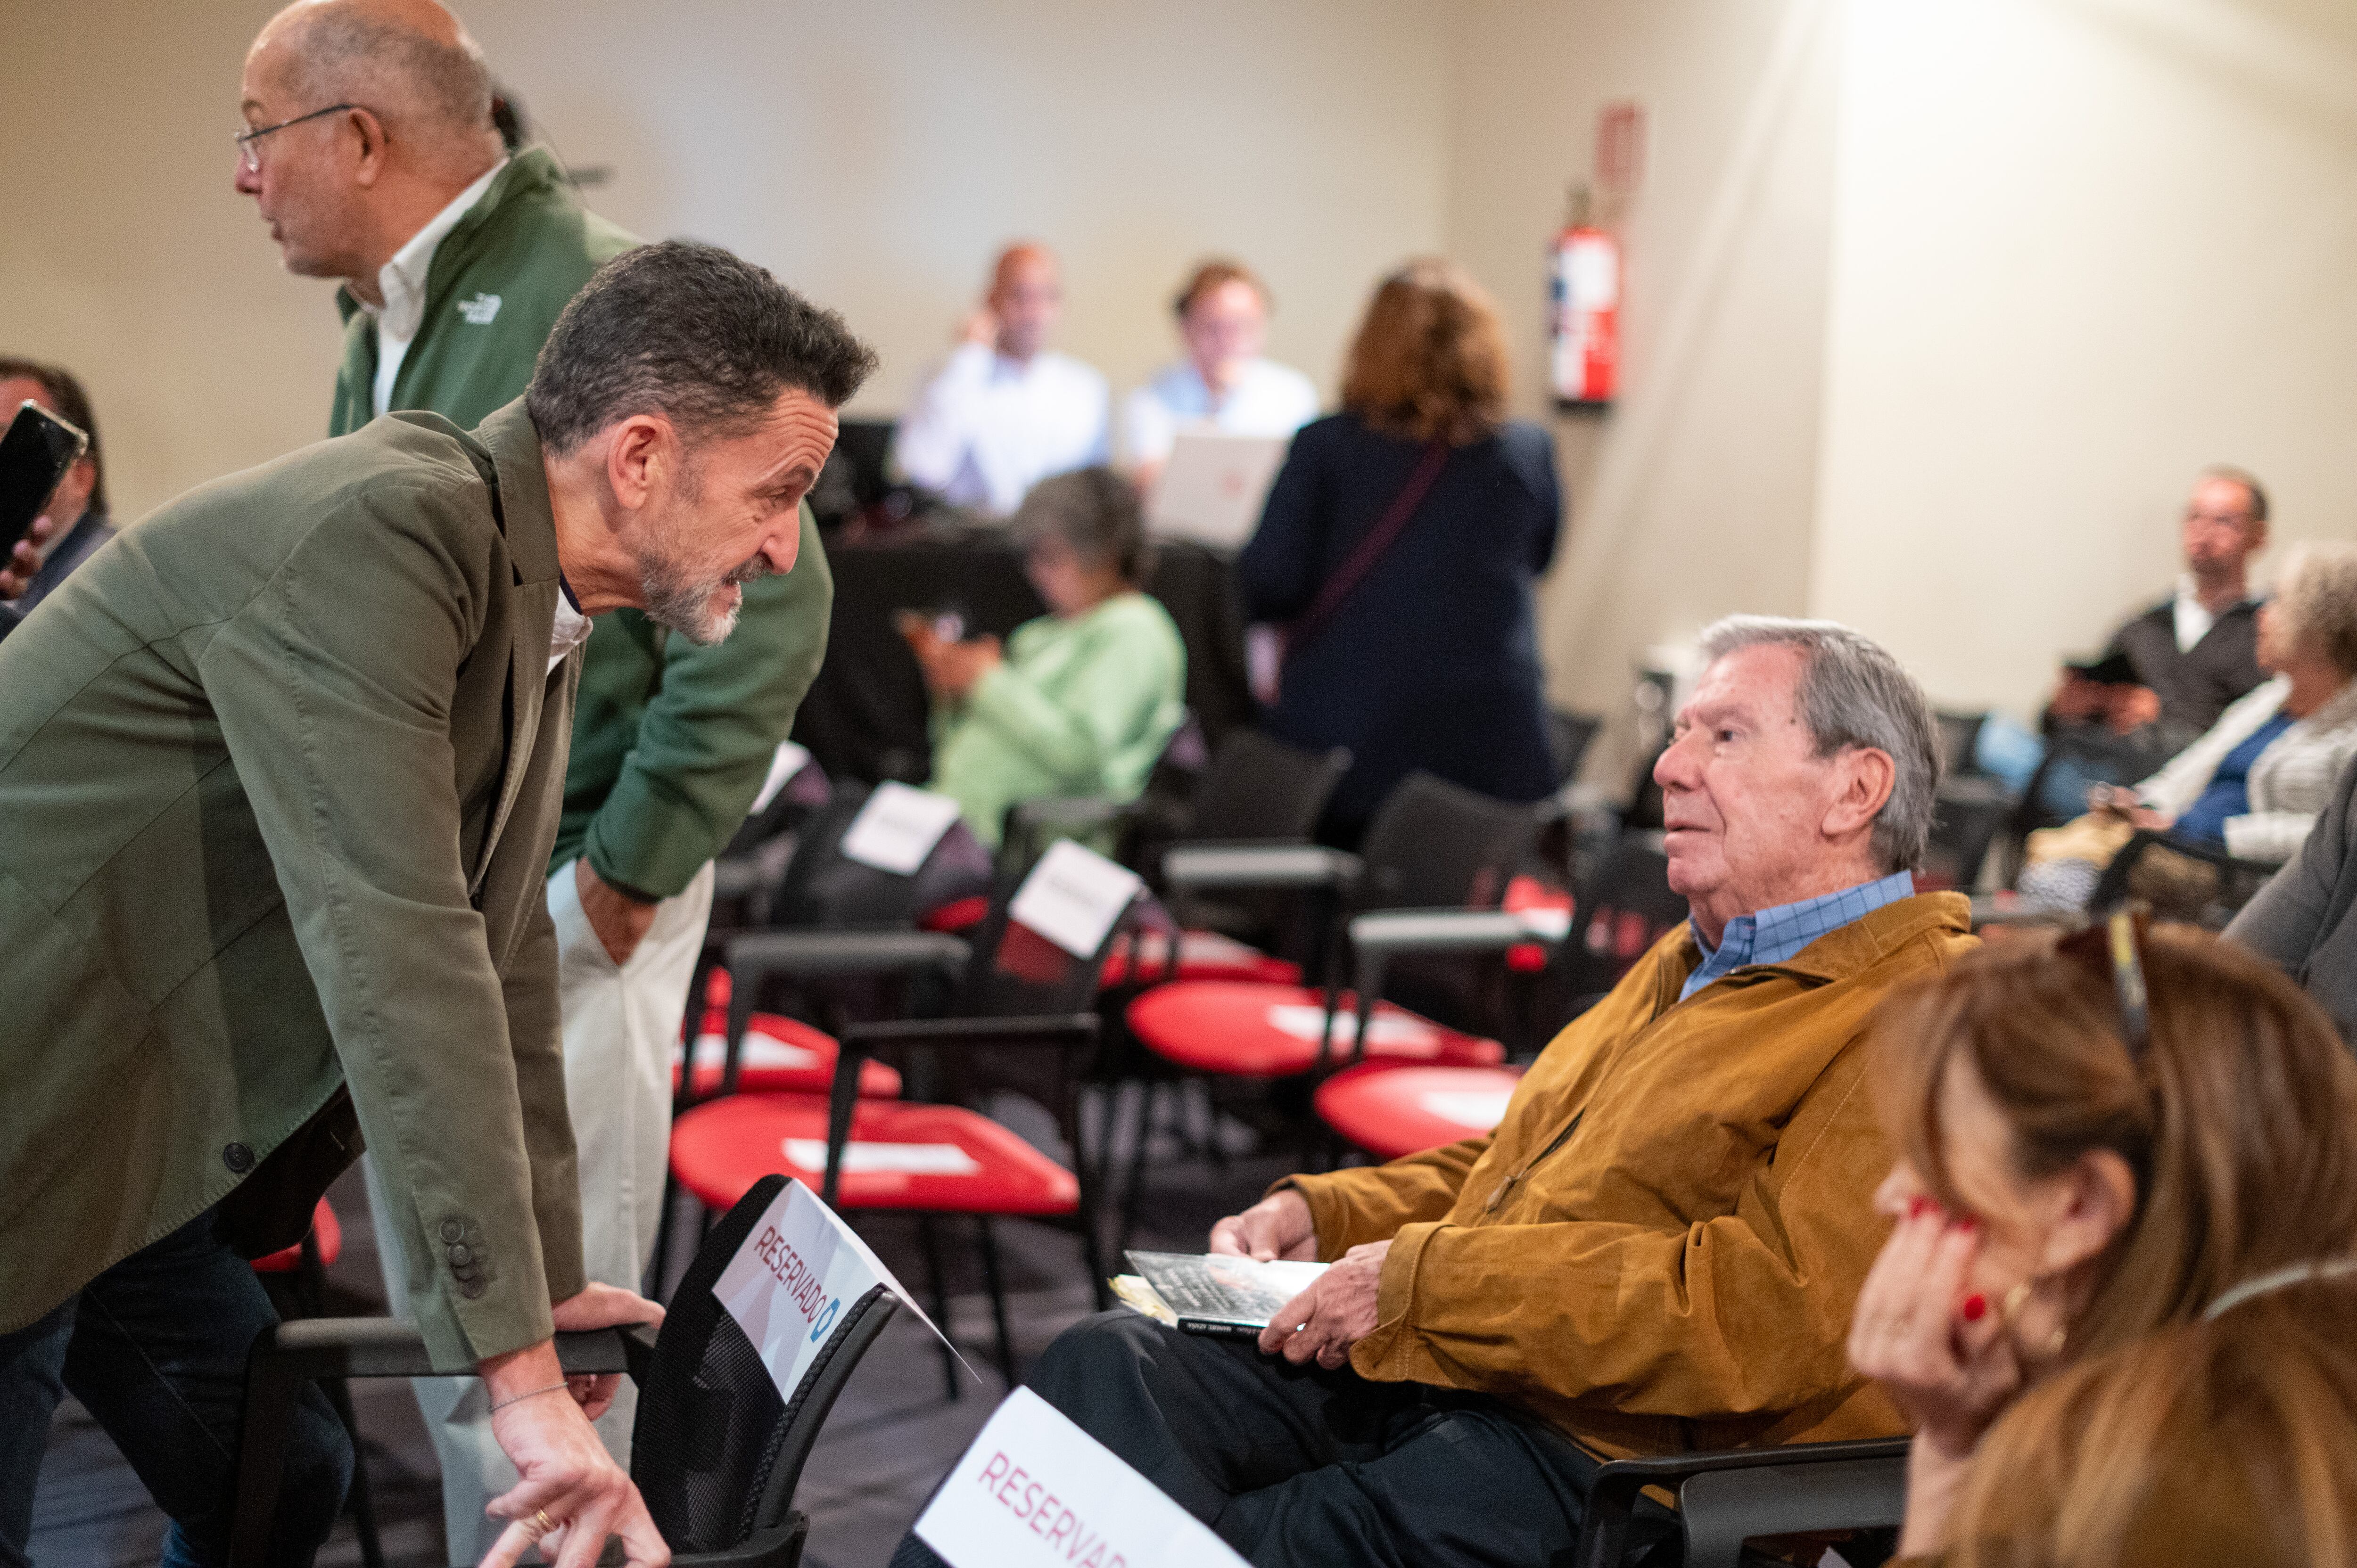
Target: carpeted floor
{"x":890,"y":1439}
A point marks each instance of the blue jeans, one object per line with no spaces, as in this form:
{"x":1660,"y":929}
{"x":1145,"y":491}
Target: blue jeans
{"x":155,"y":1347}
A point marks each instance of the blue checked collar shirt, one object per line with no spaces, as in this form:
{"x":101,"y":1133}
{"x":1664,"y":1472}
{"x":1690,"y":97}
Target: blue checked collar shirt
{"x":1771,"y":936}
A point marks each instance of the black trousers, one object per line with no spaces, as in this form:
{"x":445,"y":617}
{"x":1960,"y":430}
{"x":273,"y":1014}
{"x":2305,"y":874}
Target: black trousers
{"x":1294,"y":1467}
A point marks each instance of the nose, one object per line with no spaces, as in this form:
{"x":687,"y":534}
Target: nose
{"x":249,"y":180}
{"x":782,"y":546}
{"x":1674,"y":768}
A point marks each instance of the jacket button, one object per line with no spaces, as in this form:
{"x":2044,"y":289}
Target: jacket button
{"x":238,"y":1158}
{"x":471,"y":1289}
{"x":452,"y":1230}
{"x":461,"y":1255}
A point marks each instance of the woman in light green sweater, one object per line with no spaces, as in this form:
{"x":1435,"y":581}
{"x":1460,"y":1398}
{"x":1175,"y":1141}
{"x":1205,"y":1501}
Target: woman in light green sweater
{"x":1081,"y":700}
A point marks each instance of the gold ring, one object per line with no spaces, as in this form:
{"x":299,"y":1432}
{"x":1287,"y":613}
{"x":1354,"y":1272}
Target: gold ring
{"x":547,"y":1525}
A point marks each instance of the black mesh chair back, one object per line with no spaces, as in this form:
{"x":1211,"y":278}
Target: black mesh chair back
{"x":1568,"y":738}
{"x":824,"y":887}
{"x":1969,"y":812}
{"x":1959,"y":734}
{"x":714,"y":1451}
{"x":1438,"y":845}
{"x":1259,"y":788}
{"x":1624,"y":909}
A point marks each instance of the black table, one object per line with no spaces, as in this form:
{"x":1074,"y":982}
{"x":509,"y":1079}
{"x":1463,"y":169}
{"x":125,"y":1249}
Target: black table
{"x":865,"y":717}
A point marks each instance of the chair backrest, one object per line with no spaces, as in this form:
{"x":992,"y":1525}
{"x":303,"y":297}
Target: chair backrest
{"x":1568,"y":736}
{"x":1260,"y":787}
{"x":1624,"y":910}
{"x":714,"y":1451}
{"x":1016,"y":973}
{"x":1438,"y":845}
{"x":1959,"y":735}
{"x":1971,"y":811}
{"x":824,"y":887}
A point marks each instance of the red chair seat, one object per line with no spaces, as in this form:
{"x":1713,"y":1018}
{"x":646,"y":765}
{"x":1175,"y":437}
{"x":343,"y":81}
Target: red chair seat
{"x":1250,"y":1030}
{"x":1391,"y":1111}
{"x":900,"y":1156}
{"x":781,"y":1055}
{"x":325,"y":1226}
{"x":1202,"y":955}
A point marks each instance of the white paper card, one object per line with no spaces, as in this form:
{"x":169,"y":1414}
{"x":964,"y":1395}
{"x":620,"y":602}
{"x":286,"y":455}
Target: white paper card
{"x":1035,"y":1490}
{"x":761,"y":1050}
{"x":897,"y":828}
{"x":1479,"y":1110}
{"x":790,"y":760}
{"x":859,"y":1159}
{"x":1304,"y":1021}
{"x":1073,"y":896}
{"x":789,"y":1281}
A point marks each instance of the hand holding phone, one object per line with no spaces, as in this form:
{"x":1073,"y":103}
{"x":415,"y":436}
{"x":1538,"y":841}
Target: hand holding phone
{"x":34,"y":455}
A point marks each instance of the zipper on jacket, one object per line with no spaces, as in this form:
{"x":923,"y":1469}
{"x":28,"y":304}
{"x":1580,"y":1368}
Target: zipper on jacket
{"x":1515,"y":1180}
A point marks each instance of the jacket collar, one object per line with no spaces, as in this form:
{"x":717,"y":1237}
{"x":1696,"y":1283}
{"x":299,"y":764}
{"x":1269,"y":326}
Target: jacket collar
{"x":1854,"y":948}
{"x":527,"y":517}
{"x":532,"y":170}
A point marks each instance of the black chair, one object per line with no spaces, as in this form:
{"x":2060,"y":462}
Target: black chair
{"x":1971,"y":811}
{"x":1725,"y":1499}
{"x":1624,"y":909}
{"x":2232,"y":882}
{"x":717,"y":1453}
{"x":1570,"y":736}
{"x":1017,"y":1022}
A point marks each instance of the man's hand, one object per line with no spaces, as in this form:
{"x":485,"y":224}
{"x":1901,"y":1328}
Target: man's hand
{"x":620,"y":920}
{"x":1278,"y":1226}
{"x":1335,"y":1312}
{"x":2132,"y":708}
{"x":953,"y":669}
{"x":982,"y":327}
{"x":571,"y":1496}
{"x":601,"y":1306}
{"x":17,"y":571}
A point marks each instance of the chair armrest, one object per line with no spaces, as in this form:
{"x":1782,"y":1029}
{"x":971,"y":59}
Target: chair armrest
{"x":1050,"y":1029}
{"x":1068,"y":812}
{"x":1392,"y":932}
{"x":1747,"y":1492}
{"x":1195,"y":868}
{"x":755,"y":954}
{"x":2113,"y":886}
{"x":291,"y":1354}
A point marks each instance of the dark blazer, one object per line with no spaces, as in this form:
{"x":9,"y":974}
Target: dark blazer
{"x":279,"y":772}
{"x":2197,"y":684}
{"x":1432,"y":662}
{"x":2305,"y":918}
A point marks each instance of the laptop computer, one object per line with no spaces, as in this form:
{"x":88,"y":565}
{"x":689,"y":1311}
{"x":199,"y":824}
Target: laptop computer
{"x":1211,"y":488}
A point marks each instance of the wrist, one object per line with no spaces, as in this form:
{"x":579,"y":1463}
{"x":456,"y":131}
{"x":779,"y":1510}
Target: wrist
{"x":520,"y":1371}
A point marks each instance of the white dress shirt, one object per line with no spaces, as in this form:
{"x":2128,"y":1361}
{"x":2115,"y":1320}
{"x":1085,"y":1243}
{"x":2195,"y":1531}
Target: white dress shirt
{"x":2194,"y":619}
{"x":1268,"y":398}
{"x":569,"y":630}
{"x":987,"y":428}
{"x":402,"y":281}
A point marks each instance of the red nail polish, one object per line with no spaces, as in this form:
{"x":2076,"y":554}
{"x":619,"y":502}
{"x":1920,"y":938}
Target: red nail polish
{"x":1916,"y":1205}
{"x":1967,"y":1223}
{"x":1975,"y":1307}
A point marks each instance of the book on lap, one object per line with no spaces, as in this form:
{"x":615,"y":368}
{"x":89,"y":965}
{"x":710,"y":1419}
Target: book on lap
{"x":1211,"y":1292}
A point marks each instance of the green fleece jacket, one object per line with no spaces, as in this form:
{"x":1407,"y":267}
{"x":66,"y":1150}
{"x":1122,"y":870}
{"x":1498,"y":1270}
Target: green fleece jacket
{"x":671,"y":741}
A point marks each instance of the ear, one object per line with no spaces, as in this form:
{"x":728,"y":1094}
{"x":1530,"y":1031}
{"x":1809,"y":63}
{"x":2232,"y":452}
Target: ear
{"x":1862,"y":780}
{"x":640,"y":454}
{"x":369,"y":129}
{"x":2094,"y":1200}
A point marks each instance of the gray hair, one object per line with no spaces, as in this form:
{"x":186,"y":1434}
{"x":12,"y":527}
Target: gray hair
{"x":1097,"y":515}
{"x":436,"y":92}
{"x":694,"y":333}
{"x":2316,"y":594}
{"x":1854,"y":694}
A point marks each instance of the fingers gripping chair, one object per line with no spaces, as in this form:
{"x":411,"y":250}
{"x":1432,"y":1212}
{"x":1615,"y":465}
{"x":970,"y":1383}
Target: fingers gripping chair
{"x":717,"y":1452}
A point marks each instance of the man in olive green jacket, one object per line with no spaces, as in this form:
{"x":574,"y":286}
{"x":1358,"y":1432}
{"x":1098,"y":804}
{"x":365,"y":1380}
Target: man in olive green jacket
{"x":1657,"y":1247}
{"x":456,"y":260}
{"x":282,"y":769}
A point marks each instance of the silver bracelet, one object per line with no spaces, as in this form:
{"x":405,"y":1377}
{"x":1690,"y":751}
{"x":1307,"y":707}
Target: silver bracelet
{"x":530,"y":1394}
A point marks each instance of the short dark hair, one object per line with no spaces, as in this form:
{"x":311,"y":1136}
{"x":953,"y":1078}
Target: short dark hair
{"x":691,"y":332}
{"x":72,"y":402}
{"x":1096,"y":513}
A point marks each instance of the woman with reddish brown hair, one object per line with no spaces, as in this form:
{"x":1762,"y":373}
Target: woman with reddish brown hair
{"x":1396,"y":556}
{"x":2126,"y":1207}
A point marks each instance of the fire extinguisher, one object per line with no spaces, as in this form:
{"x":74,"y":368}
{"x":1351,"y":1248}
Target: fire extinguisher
{"x":1587,"y":294}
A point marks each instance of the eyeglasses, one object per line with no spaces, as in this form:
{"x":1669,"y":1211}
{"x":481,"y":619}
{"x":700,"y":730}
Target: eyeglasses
{"x":2117,"y":947}
{"x":246,"y":140}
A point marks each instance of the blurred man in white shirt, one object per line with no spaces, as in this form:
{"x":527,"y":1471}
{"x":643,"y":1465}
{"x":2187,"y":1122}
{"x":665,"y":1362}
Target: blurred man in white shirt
{"x":1222,"y":384}
{"x":1006,"y":412}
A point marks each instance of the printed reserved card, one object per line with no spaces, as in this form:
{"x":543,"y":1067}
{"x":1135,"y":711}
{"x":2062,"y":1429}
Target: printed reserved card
{"x":1035,"y":1489}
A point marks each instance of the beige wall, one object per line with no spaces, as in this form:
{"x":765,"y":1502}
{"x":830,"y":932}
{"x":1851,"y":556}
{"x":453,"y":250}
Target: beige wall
{"x":2084,"y":247}
{"x":1696,"y":495}
{"x":872,"y":153}
{"x":1930,"y":308}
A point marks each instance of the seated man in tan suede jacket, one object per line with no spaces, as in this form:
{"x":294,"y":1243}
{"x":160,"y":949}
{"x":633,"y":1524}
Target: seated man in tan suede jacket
{"x":1658,"y":1248}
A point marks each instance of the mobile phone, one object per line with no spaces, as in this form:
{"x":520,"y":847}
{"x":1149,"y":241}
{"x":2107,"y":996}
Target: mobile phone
{"x":34,"y":456}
